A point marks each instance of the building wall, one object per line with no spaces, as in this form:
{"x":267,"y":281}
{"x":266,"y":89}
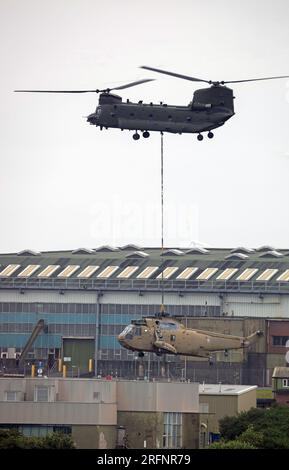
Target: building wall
{"x":142,"y":427}
{"x":247,"y":400}
{"x":191,"y":426}
{"x":277,"y":328}
{"x":218,"y":407}
{"x":157,"y":396}
{"x":94,"y":437}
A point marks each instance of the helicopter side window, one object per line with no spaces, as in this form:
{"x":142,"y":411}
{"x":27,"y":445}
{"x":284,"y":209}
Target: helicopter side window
{"x":169,"y":326}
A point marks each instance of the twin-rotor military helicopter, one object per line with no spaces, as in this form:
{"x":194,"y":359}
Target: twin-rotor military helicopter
{"x":210,"y":108}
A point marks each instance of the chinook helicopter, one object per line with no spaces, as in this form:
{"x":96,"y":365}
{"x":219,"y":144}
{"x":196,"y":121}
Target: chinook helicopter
{"x":163,"y":335}
{"x":210,"y":108}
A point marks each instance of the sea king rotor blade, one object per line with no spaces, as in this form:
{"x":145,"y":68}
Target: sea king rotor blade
{"x":173,"y":74}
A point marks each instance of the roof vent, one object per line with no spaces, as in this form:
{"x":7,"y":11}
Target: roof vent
{"x":131,"y":247}
{"x":242,"y":249}
{"x":28,"y":252}
{"x":83,"y":251}
{"x":271,"y":254}
{"x":197,"y":250}
{"x":265,"y":248}
{"x":237,"y":256}
{"x":106,"y":248}
{"x":172,"y":252}
{"x":137,"y":254}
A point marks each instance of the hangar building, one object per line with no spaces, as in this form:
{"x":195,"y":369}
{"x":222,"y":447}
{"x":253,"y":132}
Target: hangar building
{"x":87,"y":296}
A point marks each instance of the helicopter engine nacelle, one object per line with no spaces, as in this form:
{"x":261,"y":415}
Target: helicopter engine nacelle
{"x":215,"y":96}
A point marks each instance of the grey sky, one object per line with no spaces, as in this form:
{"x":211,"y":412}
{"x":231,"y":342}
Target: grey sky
{"x":64,"y":184}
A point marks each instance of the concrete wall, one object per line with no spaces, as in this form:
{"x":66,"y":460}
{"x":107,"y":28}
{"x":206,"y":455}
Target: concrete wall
{"x":94,"y":437}
{"x":191,"y":426}
{"x":67,"y":390}
{"x":141,"y":427}
{"x":157,"y":396}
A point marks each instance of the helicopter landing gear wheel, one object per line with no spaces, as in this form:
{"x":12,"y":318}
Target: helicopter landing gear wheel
{"x":136,"y":136}
{"x":140,"y":354}
{"x":145,"y":134}
{"x":210,"y":135}
{"x":200,"y":137}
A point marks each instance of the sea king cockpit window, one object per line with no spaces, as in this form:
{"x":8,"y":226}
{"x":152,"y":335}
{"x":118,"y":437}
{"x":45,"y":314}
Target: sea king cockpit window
{"x":130,"y":331}
{"x":169,"y":326}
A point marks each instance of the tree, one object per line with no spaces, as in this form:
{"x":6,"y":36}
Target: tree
{"x":13,"y":439}
{"x":266,"y":429}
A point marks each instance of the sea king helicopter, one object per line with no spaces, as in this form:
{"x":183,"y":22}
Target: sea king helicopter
{"x":162,"y":334}
{"x":210,"y":108}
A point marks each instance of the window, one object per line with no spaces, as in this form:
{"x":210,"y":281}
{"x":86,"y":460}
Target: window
{"x":285,"y":383}
{"x":48,"y":270}
{"x":284,"y":277}
{"x":280,"y":340}
{"x":127,"y":272}
{"x":206,"y":274}
{"x":43,"y":393}
{"x":108,"y":271}
{"x":68,"y":271}
{"x":247,"y":274}
{"x":227,"y":274}
{"x":9,"y":270}
{"x":11,"y":396}
{"x":172,"y":437}
{"x":88,"y":271}
{"x":167,"y":272}
{"x":267,"y":275}
{"x":29,"y":270}
{"x":187,"y":273}
{"x":147,"y":272}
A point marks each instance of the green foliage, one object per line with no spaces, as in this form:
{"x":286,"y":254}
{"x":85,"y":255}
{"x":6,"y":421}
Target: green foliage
{"x":13,"y":439}
{"x":237,"y":444}
{"x":250,"y":436}
{"x":266,"y":429}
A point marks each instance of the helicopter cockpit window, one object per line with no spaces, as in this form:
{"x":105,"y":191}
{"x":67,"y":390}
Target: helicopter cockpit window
{"x":137,"y":331}
{"x":128,"y":332}
{"x":169,"y":326}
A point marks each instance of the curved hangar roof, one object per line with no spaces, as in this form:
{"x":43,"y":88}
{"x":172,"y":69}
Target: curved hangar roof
{"x":194,"y":267}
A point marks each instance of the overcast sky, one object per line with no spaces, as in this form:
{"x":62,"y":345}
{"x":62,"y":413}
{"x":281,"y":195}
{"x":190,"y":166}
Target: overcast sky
{"x":64,"y":184}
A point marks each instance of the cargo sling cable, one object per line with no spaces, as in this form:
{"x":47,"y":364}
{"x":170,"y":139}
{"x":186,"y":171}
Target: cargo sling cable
{"x":162,"y":307}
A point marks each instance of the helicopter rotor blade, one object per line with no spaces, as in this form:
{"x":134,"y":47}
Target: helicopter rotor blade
{"x":254,"y":79}
{"x":138,"y":82}
{"x":173,"y":74}
{"x":106,"y":90}
{"x":56,"y":91}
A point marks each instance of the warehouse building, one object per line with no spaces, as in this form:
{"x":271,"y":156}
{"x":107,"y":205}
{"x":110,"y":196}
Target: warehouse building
{"x":85,"y":297}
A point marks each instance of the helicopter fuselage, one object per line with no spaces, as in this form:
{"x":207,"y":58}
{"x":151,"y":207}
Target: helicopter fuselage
{"x":199,"y":116}
{"x":170,"y":336}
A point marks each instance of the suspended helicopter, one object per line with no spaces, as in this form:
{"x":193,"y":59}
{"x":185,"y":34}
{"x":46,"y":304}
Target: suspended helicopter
{"x":164,"y":335}
{"x":209,"y":109}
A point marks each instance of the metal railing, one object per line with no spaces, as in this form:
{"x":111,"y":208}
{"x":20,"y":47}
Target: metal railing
{"x":150,"y":285}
